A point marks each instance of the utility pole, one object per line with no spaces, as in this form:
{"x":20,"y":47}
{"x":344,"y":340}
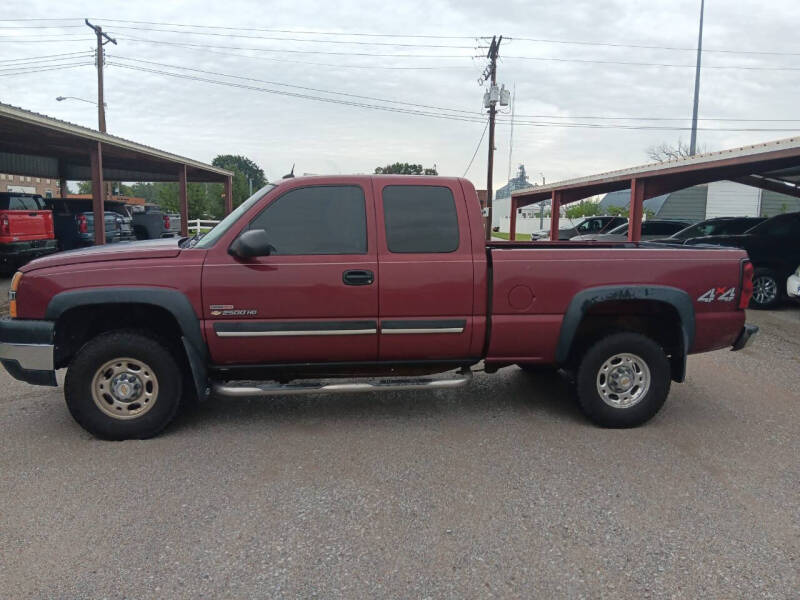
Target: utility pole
{"x":101,"y":105}
{"x":490,"y":101}
{"x":693,"y":141}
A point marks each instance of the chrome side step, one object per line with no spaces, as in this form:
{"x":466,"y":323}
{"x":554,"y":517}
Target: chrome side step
{"x":316,"y":387}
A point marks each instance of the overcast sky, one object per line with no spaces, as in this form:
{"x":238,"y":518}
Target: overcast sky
{"x":200,"y":119}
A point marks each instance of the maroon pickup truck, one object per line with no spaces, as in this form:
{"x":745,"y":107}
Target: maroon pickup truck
{"x":364,"y":283}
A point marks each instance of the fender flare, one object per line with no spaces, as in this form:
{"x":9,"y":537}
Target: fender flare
{"x":586,"y":299}
{"x":175,"y":302}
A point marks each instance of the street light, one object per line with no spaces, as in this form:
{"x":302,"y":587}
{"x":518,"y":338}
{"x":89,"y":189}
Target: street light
{"x":62,"y":98}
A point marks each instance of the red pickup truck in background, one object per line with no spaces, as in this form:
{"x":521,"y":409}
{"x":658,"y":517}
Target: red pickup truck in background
{"x":356,"y":277}
{"x":26,"y":229}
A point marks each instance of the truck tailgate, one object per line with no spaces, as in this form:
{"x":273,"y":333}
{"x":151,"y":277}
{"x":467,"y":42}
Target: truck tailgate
{"x":26,"y":225}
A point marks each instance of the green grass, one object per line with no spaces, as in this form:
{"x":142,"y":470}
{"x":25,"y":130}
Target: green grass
{"x":521,"y":237}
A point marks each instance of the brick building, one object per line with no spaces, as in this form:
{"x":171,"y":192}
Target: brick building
{"x":30,"y":185}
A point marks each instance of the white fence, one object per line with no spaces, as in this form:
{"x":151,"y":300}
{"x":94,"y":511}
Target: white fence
{"x":199,"y":225}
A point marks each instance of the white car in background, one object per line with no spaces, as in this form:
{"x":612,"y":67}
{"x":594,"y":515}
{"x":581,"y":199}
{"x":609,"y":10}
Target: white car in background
{"x":793,"y":284}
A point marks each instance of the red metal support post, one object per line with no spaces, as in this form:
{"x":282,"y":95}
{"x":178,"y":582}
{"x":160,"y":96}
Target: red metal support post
{"x":183,"y":198}
{"x":636,"y":211}
{"x":512,"y":234}
{"x":228,"y":195}
{"x":555,"y":211}
{"x":98,"y":191}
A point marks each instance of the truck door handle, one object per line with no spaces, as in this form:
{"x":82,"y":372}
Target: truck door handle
{"x":358,"y":277}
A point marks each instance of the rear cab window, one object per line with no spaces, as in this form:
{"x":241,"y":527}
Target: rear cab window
{"x":420,"y":219}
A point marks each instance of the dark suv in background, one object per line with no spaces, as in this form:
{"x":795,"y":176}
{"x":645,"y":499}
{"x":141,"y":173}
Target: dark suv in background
{"x":774,"y":249}
{"x":715,"y":226}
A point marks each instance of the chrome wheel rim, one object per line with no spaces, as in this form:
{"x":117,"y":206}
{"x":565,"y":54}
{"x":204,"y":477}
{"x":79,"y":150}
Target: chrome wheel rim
{"x":765,"y":289}
{"x":623,"y":380}
{"x":125,"y":388}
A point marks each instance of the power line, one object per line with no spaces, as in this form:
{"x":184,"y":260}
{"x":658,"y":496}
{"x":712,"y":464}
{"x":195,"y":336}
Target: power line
{"x":31,"y":59}
{"x":427,"y":106}
{"x":450,"y":56}
{"x":649,"y":64}
{"x":474,"y":154}
{"x":282,"y":50}
{"x":652,"y":47}
{"x":335,"y":65}
{"x":453,"y":117}
{"x":292,"y":39}
{"x":49,"y":68}
{"x":308,"y":32}
{"x":611,"y":44}
{"x":300,"y":87}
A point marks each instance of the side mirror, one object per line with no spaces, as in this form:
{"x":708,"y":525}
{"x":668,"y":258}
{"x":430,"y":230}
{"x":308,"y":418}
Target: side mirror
{"x":250,"y":244}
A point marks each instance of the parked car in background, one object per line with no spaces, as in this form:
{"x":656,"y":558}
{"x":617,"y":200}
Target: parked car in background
{"x":793,"y":285}
{"x":73,"y":219}
{"x":150,"y":222}
{"x":715,"y":226}
{"x":774,"y":248}
{"x":589,"y":226}
{"x":26,"y":229}
{"x":651,"y":229}
{"x":125,"y":231}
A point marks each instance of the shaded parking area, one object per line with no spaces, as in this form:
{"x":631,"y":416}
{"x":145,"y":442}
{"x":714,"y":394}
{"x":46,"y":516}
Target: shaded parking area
{"x":500,"y":489}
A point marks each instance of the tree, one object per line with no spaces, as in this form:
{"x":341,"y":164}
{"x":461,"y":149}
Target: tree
{"x":664,"y":152}
{"x":245,"y":172}
{"x":399,"y":168}
{"x":584,"y":208}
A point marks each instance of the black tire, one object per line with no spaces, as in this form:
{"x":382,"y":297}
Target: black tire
{"x":588,"y":381}
{"x":769,"y":280}
{"x":105,"y":348}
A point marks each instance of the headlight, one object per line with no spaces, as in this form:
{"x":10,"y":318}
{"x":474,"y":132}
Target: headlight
{"x":12,"y":294}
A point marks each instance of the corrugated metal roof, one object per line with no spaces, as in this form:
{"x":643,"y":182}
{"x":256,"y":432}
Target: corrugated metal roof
{"x":14,"y":113}
{"x":755,"y":151}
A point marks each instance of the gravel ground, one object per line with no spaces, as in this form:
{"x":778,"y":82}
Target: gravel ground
{"x":502,"y":490}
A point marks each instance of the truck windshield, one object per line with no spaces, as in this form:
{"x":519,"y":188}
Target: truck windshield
{"x":220,"y":228}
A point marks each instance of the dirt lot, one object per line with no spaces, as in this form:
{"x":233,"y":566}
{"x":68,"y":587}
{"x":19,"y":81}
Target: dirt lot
{"x":502,"y":490}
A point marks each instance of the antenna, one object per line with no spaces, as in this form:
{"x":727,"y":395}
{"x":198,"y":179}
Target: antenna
{"x":290,"y":174}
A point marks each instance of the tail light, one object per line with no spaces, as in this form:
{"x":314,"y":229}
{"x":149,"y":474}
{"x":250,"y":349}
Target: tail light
{"x":5,"y":227}
{"x":747,"y":284}
{"x":83,"y":224}
{"x":166,"y":222}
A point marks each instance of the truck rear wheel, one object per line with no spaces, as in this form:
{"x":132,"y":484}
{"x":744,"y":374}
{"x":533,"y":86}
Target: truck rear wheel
{"x":123,"y":385}
{"x":623,"y":380}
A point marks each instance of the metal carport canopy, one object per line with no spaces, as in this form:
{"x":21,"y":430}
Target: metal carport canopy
{"x":37,"y":145}
{"x":771,"y":166}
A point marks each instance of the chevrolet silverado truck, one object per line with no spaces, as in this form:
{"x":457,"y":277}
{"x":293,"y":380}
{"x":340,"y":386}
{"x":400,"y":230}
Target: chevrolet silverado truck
{"x":347,"y":284}
{"x":26,"y":230}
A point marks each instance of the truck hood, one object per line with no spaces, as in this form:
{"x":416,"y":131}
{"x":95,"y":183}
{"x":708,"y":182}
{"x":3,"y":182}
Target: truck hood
{"x":166,"y":248}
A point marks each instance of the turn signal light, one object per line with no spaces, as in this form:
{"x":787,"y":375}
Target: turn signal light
{"x":747,"y":285}
{"x":12,"y":295}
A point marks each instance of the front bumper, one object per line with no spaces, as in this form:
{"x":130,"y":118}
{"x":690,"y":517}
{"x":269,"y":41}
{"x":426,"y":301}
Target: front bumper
{"x":745,"y":336}
{"x":26,"y":350}
{"x":793,"y":286}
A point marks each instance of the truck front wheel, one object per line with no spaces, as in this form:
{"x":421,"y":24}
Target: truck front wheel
{"x":623,"y":380}
{"x":123,"y":385}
